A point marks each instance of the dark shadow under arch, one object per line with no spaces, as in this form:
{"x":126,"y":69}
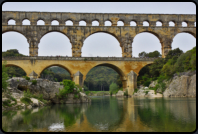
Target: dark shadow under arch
{"x":58,"y":66}
{"x":118,"y":70}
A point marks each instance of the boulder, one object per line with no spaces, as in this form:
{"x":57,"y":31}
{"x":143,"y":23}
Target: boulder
{"x":120,"y":93}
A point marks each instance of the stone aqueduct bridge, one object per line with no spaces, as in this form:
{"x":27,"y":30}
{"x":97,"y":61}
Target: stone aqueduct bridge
{"x":126,"y":66}
{"x":77,"y":34}
{"x":78,"y":67}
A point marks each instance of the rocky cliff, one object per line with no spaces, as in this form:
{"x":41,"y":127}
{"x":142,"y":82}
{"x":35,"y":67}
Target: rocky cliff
{"x":47,"y":88}
{"x":182,"y":85}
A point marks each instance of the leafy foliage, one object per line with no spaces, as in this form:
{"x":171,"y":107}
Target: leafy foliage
{"x":68,"y":88}
{"x":26,"y":100}
{"x":34,"y":82}
{"x":4,"y":76}
{"x":154,"y":54}
{"x":113,"y":88}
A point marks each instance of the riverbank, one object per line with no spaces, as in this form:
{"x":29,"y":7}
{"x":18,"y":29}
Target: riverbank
{"x":181,"y":85}
{"x":28,"y":93}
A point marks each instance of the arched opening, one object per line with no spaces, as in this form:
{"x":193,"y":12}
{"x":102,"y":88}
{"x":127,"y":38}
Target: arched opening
{"x":55,"y":73}
{"x":55,"y":44}
{"x":146,"y":42}
{"x":184,"y":41}
{"x":15,"y":71}
{"x":120,"y":23}
{"x":69,"y":23}
{"x":133,"y":23}
{"x":15,"y":40}
{"x":102,"y":45}
{"x":82,"y":23}
{"x":102,"y":76}
{"x":171,"y":24}
{"x":195,"y":24}
{"x":54,"y":22}
{"x":159,"y":23}
{"x":108,"y":23}
{"x":26,"y":22}
{"x":40,"y":22}
{"x":144,"y":76}
{"x":184,"y":24}
{"x":95,"y":23}
{"x":11,"y":22}
{"x":145,"y":23}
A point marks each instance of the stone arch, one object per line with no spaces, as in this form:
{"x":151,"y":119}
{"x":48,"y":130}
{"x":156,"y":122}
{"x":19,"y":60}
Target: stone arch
{"x":40,"y":20}
{"x":59,"y":65}
{"x":186,"y":40}
{"x":112,"y":66}
{"x":133,"y":21}
{"x":66,"y":47}
{"x":159,"y":23}
{"x":121,"y":22}
{"x":54,"y":31}
{"x":190,"y":32}
{"x":159,"y":37}
{"x":144,"y":65}
{"x":108,"y":33}
{"x":13,"y":30}
{"x":95,"y":20}
{"x":169,"y":23}
{"x":9,"y":65}
{"x":184,"y":23}
{"x":55,"y":20}
{"x":146,"y":23}
{"x":83,"y":20}
{"x":11,"y":19}
{"x":107,"y":21}
{"x":25,"y":20}
{"x":69,"y":20}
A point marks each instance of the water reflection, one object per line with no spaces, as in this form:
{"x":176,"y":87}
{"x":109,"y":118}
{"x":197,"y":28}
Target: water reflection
{"x":107,"y":114}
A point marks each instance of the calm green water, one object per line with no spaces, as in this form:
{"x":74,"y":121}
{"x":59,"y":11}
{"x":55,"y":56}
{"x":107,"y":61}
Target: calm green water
{"x":108,"y":114}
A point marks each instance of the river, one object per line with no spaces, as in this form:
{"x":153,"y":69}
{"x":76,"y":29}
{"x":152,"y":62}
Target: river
{"x":107,"y":113}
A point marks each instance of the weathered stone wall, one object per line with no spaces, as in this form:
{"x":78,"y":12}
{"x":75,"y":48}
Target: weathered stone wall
{"x":77,"y":34}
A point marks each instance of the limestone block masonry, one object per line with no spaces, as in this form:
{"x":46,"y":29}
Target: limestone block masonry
{"x":77,"y":34}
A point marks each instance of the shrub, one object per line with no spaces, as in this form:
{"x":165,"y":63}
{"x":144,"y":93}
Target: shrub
{"x":146,"y":92}
{"x":79,"y":87}
{"x":27,"y":94}
{"x":68,"y":88}
{"x":113,"y":88}
{"x":26,"y":77}
{"x":76,"y":96}
{"x":147,"y":83}
{"x":126,"y":93}
{"x":26,"y":100}
{"x":34,"y":82}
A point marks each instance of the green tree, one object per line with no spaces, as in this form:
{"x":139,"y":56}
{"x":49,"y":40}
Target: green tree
{"x":113,"y":87}
{"x":4,"y":76}
{"x":154,"y":54}
{"x":175,"y":52}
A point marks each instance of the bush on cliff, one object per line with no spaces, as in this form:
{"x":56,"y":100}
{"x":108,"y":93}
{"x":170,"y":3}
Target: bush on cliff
{"x":68,"y":88}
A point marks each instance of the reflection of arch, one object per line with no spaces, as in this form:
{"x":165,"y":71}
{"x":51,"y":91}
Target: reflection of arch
{"x":112,"y":66}
{"x":10,"y":65}
{"x":59,"y":65}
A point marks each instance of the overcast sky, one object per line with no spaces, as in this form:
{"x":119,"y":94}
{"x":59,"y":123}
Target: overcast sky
{"x":99,"y":44}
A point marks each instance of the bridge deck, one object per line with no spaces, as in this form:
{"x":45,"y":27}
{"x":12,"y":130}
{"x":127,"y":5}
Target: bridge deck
{"x":78,"y":58}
